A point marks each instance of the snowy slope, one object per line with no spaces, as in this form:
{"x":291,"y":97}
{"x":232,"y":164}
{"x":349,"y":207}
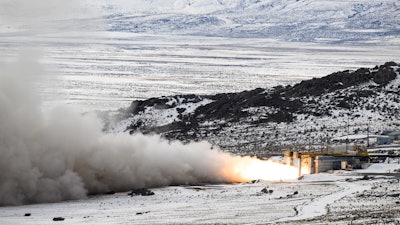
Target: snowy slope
{"x":305,"y":20}
{"x":300,"y":20}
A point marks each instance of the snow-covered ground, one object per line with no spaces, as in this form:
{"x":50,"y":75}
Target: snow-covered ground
{"x":102,"y":56}
{"x":107,"y":70}
{"x":315,"y":199}
{"x":103,"y":61}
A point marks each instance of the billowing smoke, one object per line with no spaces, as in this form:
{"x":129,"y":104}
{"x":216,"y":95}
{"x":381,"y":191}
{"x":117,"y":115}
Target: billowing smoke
{"x":45,"y":16}
{"x":26,"y":11}
{"x":59,"y":155}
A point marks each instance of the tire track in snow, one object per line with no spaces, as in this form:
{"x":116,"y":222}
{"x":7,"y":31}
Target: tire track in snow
{"x":317,"y":206}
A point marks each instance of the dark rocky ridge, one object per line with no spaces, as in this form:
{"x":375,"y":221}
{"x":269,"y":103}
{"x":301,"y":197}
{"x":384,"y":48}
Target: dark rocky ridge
{"x":233,"y":120}
{"x":381,"y":75}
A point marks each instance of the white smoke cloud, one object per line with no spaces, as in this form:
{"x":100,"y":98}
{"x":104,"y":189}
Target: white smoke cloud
{"x":45,"y":9}
{"x":59,"y":155}
{"x":53,"y":15}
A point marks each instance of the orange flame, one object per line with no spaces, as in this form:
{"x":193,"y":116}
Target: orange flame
{"x":250,"y":168}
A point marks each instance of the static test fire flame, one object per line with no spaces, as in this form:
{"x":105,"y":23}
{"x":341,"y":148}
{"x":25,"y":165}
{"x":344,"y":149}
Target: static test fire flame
{"x":250,"y":168}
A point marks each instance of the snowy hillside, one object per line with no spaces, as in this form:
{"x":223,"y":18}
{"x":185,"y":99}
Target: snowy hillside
{"x":294,"y":20}
{"x":307,"y":113}
{"x":299,"y":20}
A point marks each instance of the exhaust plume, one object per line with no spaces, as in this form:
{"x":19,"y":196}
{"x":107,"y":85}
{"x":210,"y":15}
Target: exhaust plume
{"x":60,"y":155}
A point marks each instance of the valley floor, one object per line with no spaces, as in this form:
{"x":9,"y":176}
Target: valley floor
{"x":338,"y":198}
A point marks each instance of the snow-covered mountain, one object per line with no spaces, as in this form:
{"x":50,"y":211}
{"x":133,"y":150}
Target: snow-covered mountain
{"x":310,"y":112}
{"x":294,"y":20}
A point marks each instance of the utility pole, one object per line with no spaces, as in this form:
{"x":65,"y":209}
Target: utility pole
{"x":367,"y":134}
{"x":348,"y":132}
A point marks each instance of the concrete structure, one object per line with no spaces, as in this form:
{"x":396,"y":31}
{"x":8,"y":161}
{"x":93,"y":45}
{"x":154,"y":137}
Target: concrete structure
{"x":325,"y":163}
{"x":308,"y":162}
{"x":364,"y":139}
{"x":395,"y":135}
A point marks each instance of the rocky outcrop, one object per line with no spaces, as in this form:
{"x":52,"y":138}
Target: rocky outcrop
{"x":381,"y":75}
